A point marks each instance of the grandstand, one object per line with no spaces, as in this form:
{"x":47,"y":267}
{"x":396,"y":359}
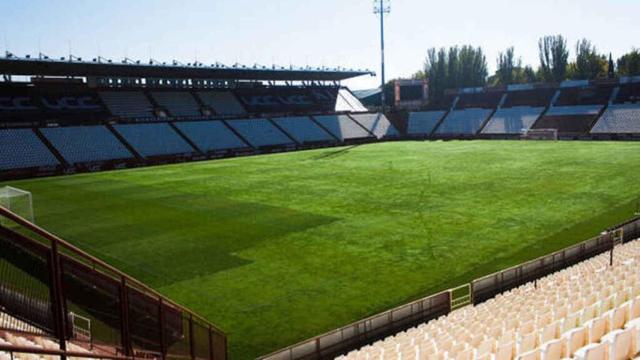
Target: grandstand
{"x":422,"y":123}
{"x":260,"y":132}
{"x":151,"y":140}
{"x":575,"y":108}
{"x":83,"y":144}
{"x":343,"y":127}
{"x":222,"y":102}
{"x":377,"y":124}
{"x":21,"y":149}
{"x":463,"y":122}
{"x":588,"y":311}
{"x":178,"y":103}
{"x":127,"y":104}
{"x":304,"y":130}
{"x":211,"y":136}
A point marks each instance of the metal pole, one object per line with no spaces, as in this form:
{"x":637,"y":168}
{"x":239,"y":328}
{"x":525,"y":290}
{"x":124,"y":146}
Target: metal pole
{"x":381,"y":10}
{"x":382,"y":55}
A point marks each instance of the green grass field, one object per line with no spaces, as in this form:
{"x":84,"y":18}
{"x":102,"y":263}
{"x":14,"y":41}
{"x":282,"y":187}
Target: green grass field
{"x":278,"y":248}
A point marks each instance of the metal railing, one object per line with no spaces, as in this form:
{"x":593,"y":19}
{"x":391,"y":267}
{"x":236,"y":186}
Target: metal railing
{"x":126,"y":315}
{"x":380,"y":326}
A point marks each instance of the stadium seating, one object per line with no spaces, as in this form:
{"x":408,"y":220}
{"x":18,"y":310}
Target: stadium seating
{"x":179,"y":103}
{"x":127,"y":104}
{"x":222,"y":102}
{"x":465,"y":122}
{"x":574,"y":110}
{"x":79,"y":144}
{"x":260,"y":132}
{"x":588,"y":311}
{"x":14,"y":332}
{"x":533,"y":97}
{"x":155,"y":139}
{"x":588,"y":95}
{"x":21,"y":148}
{"x":512,"y":120}
{"x":377,"y":124}
{"x":624,"y":119}
{"x":342,"y":127}
{"x":210,"y":135}
{"x":422,"y":123}
{"x":303,"y":129}
{"x":628,"y":93}
{"x":482,"y":100}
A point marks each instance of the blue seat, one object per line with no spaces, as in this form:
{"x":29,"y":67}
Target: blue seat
{"x":21,"y":149}
{"x":210,"y":135}
{"x":154,"y":139}
{"x":78,"y":144}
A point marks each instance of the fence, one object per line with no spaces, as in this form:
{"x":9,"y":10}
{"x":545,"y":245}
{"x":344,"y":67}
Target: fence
{"x":47,"y":284}
{"x":388,"y":323}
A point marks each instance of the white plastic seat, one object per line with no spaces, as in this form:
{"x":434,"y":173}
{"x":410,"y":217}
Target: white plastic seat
{"x":596,"y":351}
{"x":530,"y":355}
{"x":552,"y":350}
{"x":619,"y":344}
{"x":575,"y":339}
{"x":596,"y":329}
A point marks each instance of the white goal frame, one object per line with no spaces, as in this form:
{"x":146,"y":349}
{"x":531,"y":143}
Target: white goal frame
{"x":17,"y":201}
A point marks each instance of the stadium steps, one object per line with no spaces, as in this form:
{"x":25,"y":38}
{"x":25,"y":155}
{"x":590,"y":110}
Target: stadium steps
{"x":437,"y":126}
{"x":186,"y":138}
{"x":324,"y":128}
{"x":51,"y":148}
{"x":597,"y":117}
{"x":486,"y":121}
{"x":201,"y":104}
{"x":155,"y":104}
{"x":362,"y":126}
{"x":293,"y":139}
{"x":125,"y":143}
{"x":542,"y":115}
{"x":236,"y":133}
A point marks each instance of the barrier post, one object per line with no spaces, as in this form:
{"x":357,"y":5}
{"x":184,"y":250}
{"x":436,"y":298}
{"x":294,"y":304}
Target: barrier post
{"x":57,"y":298}
{"x":124,"y":318}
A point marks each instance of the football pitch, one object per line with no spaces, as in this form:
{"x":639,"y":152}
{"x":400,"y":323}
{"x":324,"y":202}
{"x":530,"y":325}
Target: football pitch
{"x":278,"y":248}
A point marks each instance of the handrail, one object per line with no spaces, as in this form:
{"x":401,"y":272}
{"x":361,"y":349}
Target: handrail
{"x":351,"y":325}
{"x":51,"y":237}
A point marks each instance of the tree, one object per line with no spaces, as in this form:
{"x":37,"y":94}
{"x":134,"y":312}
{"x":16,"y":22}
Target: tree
{"x":554,"y":57}
{"x":589,"y":64}
{"x":629,"y":64}
{"x":455,"y":67}
{"x":508,"y":67}
{"x":528,"y":75}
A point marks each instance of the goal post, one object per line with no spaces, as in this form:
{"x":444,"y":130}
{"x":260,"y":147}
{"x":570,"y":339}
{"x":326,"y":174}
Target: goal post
{"x":18,"y":201}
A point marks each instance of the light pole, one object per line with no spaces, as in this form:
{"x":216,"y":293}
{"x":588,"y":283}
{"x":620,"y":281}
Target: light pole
{"x":382,"y":7}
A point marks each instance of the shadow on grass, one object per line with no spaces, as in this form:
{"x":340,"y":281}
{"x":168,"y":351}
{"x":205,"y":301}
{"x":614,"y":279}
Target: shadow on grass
{"x":335,"y":153}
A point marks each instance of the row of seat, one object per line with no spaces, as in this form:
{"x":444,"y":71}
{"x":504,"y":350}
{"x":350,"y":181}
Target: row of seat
{"x":617,"y":119}
{"x":22,"y":148}
{"x":136,"y":105}
{"x":588,"y":311}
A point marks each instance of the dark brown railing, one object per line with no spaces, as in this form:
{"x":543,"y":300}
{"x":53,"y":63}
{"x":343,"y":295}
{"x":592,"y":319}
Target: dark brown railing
{"x":45,"y":281}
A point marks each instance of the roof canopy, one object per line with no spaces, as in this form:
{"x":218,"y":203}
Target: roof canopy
{"x":39,"y":67}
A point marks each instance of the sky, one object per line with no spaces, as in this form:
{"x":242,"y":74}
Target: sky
{"x":309,"y":32}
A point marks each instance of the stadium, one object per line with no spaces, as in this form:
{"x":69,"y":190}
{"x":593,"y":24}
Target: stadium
{"x":162,"y":210}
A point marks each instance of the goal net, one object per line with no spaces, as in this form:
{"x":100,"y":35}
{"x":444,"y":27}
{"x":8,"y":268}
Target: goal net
{"x":540,"y":134}
{"x":17,"y":201}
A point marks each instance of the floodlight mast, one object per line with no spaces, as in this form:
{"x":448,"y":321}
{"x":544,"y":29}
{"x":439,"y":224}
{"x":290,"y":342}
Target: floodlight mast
{"x":382,"y":7}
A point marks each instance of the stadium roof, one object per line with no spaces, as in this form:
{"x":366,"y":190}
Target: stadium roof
{"x":106,"y":68}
